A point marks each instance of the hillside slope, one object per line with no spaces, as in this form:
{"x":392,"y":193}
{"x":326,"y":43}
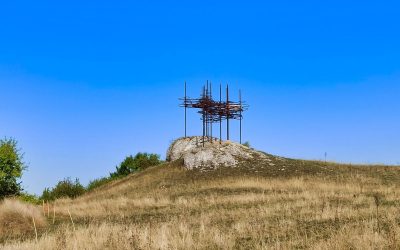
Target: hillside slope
{"x":274,"y":203}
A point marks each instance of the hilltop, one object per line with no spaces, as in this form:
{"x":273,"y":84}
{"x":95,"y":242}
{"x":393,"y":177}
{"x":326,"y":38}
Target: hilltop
{"x":212,"y":154}
{"x":253,"y":200}
{"x":227,"y":158}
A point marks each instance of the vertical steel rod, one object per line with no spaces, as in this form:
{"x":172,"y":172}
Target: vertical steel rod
{"x":211,"y":121}
{"x":227,"y":112}
{"x":185,"y":109}
{"x":203,"y":117}
{"x":206,"y":112}
{"x":220,"y":115}
{"x":240,"y":114}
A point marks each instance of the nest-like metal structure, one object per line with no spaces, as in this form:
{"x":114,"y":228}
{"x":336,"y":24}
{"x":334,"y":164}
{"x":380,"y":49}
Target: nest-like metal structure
{"x":213,"y":111}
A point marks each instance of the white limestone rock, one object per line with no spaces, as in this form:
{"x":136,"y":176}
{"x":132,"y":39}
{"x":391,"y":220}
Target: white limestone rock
{"x":212,"y":155}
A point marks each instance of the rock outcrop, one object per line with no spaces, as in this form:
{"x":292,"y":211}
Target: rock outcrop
{"x":212,"y":155}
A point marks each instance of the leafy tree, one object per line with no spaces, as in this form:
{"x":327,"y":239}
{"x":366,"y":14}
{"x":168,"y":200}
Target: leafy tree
{"x":64,"y":188}
{"x":139,"y":162}
{"x":11,"y":168}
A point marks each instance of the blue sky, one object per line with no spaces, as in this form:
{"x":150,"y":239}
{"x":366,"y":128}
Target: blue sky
{"x":82,"y":85}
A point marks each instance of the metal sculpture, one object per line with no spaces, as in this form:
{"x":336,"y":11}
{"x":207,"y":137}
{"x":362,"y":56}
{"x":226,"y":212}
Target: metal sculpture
{"x":212,"y":111}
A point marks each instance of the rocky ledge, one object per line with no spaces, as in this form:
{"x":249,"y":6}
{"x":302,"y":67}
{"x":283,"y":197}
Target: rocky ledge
{"x":213,"y":155}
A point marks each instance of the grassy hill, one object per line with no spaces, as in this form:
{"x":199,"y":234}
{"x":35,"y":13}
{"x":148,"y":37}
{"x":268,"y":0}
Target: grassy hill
{"x":280,"y":204}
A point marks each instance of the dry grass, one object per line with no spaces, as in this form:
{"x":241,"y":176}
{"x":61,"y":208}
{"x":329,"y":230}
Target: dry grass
{"x":16,"y":219}
{"x":166,"y":207}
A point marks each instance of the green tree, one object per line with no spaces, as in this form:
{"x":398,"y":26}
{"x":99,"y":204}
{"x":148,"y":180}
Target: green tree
{"x":139,"y":162}
{"x":11,"y":168}
{"x":64,"y":188}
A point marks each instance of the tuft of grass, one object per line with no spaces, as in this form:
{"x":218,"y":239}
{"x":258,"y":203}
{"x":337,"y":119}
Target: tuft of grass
{"x":16,"y":219}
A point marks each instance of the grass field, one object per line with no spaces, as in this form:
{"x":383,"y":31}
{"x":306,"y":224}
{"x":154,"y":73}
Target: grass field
{"x":281,"y":204}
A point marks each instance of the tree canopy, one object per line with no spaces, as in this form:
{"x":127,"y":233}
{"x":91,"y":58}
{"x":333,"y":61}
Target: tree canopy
{"x":134,"y":163}
{"x":11,"y":168}
{"x":64,"y":188}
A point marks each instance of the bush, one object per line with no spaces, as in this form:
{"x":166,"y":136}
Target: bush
{"x":68,"y":188}
{"x":98,"y":182}
{"x":139,"y":162}
{"x":29,"y":198}
{"x":64,"y":188}
{"x":47,"y":195}
{"x":16,"y":218}
{"x":11,"y":167}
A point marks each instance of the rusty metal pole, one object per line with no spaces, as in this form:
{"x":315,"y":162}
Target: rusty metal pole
{"x":205,"y":110}
{"x":220,"y":115}
{"x":211,"y":121}
{"x":185,"y":108}
{"x":207,"y":116}
{"x":227,"y":112}
{"x":240,"y":116}
{"x":213,"y":111}
{"x":203,"y":118}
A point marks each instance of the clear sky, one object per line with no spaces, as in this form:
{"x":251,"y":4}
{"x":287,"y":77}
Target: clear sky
{"x":85,"y":83}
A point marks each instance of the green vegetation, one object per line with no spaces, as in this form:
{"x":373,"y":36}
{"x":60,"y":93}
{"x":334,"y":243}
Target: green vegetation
{"x":129,"y":165}
{"x":29,"y":198}
{"x":68,"y":188}
{"x":132,"y":164}
{"x":64,"y":188}
{"x":98,"y":182}
{"x":11,"y":168}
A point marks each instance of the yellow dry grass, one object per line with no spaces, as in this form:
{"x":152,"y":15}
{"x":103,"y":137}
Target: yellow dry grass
{"x":16,"y":219}
{"x":167,"y":208}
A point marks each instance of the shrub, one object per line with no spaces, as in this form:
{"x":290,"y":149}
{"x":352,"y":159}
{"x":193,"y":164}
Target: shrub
{"x":47,"y":195}
{"x":30,"y":198}
{"x":64,"y":188}
{"x":11,"y":167}
{"x":98,"y":182}
{"x":139,"y":162}
{"x":16,"y":218}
